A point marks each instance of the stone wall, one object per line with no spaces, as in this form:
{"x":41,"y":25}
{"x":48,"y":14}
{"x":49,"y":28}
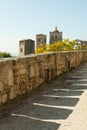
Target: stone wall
{"x":26,"y":47}
{"x":20,"y":75}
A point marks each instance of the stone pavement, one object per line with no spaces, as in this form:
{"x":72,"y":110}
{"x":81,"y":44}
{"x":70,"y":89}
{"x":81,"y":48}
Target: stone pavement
{"x":60,"y":104}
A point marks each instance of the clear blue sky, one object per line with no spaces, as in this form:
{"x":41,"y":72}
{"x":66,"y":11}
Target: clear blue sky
{"x":23,"y":19}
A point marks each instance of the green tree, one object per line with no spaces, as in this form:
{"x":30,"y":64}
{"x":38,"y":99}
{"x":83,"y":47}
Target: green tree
{"x":65,"y":45}
{"x":4,"y":54}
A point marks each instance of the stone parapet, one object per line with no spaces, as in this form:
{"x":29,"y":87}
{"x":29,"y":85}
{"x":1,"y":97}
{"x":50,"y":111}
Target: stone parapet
{"x":21,"y":75}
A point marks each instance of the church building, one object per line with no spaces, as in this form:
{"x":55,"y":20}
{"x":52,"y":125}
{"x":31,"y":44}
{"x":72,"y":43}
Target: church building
{"x":55,"y":36}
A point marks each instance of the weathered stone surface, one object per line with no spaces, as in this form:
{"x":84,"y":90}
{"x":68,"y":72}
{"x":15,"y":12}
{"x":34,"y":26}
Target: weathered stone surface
{"x":22,"y":70}
{"x":1,"y":87}
{"x":10,"y":77}
{"x":17,"y":76}
{"x":4,"y":98}
{"x":31,"y":71}
{"x":12,"y":94}
{"x":0,"y":99}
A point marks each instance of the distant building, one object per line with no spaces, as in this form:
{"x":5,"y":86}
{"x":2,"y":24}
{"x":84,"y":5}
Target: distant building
{"x":55,"y":36}
{"x":78,"y":41}
{"x":84,"y":42}
{"x":40,"y":39}
{"x":26,"y":47}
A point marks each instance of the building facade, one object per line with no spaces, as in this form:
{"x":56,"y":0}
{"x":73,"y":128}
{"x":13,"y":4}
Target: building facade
{"x":40,"y":39}
{"x":26,"y":47}
{"x":55,"y":36}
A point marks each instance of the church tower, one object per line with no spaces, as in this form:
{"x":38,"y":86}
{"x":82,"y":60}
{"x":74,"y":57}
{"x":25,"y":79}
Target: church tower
{"x":55,"y":36}
{"x":40,"y":39}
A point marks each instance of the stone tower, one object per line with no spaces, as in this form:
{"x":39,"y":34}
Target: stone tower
{"x":55,"y":36}
{"x":40,"y":39}
{"x":26,"y":47}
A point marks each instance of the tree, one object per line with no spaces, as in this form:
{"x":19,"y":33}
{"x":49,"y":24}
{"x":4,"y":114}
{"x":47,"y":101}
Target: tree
{"x":4,"y":54}
{"x":65,"y":45}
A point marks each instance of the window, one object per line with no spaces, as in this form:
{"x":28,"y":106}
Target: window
{"x":21,"y":50}
{"x":52,"y":37}
{"x":39,"y":40}
{"x":56,"y":37}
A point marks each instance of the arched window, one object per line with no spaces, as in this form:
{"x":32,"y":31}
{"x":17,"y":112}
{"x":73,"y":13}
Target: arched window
{"x":52,"y":37}
{"x":21,"y":50}
{"x":39,"y":40}
{"x":55,"y":37}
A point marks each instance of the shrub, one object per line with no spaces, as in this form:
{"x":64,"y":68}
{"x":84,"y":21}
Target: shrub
{"x":4,"y":54}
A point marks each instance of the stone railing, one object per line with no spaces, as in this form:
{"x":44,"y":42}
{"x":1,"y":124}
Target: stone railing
{"x":20,"y":75}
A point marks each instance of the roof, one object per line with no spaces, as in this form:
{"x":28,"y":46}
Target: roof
{"x":40,"y":35}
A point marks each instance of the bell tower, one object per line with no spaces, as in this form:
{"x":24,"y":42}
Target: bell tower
{"x":55,"y":36}
{"x":40,"y":39}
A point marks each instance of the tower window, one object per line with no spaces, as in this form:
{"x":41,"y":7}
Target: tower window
{"x":39,"y":40}
{"x":56,"y":37}
{"x":21,"y":50}
{"x":44,"y":40}
{"x":52,"y":37}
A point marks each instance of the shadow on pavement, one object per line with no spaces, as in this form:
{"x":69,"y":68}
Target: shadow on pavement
{"x":46,"y":109}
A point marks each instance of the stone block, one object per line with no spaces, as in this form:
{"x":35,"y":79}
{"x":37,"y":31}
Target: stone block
{"x":12,"y":94}
{"x":1,"y":87}
{"x":4,"y":98}
{"x":31,"y":71}
{"x":10,"y":78}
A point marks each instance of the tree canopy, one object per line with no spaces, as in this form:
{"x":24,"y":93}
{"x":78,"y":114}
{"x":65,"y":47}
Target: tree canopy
{"x":4,"y":54}
{"x":65,"y":45}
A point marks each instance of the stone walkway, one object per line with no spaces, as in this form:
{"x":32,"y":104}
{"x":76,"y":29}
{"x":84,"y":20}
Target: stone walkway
{"x":60,"y":104}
